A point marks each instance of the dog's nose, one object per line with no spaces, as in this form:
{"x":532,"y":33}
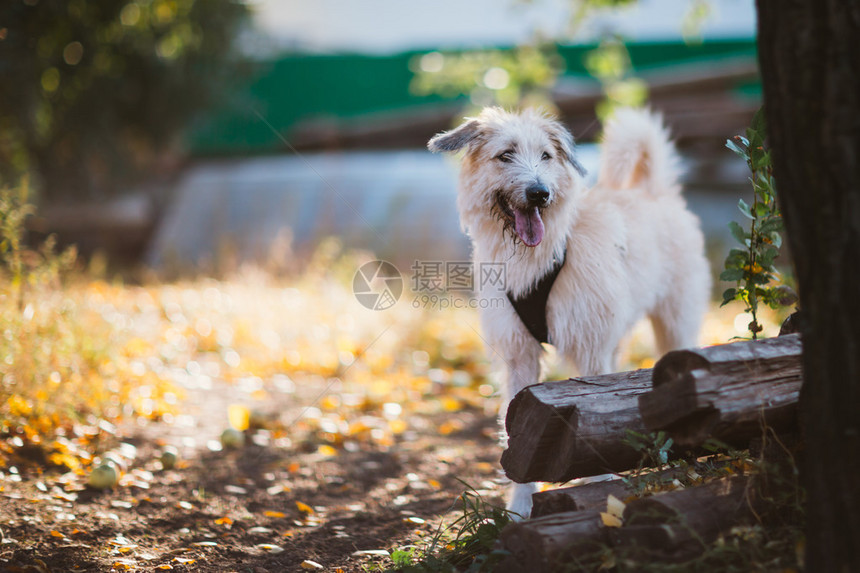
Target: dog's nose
{"x":537,"y":195}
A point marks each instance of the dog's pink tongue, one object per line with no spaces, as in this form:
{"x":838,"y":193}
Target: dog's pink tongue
{"x":529,"y":226}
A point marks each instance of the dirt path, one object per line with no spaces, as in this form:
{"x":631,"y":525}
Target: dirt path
{"x":299,"y":490}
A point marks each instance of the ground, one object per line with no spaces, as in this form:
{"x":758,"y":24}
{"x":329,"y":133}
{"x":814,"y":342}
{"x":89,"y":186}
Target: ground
{"x":266,"y":507}
{"x":362,"y":428}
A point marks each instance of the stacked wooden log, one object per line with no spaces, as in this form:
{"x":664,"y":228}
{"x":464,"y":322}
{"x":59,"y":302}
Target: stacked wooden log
{"x":564,"y":430}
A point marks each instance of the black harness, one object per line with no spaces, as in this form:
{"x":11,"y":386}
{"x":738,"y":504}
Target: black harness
{"x":531,"y":307}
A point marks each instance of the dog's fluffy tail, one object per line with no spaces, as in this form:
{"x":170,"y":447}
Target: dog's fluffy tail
{"x":637,"y":152}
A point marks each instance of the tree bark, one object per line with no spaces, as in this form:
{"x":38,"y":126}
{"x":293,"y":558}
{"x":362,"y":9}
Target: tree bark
{"x":729,"y":392}
{"x":809,"y":51}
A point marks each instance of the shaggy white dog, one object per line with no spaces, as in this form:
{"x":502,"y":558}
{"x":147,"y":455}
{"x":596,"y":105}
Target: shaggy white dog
{"x":582,"y":266}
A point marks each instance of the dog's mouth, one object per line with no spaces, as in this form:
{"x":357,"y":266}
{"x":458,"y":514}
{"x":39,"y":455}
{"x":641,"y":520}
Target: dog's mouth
{"x":527,"y":221}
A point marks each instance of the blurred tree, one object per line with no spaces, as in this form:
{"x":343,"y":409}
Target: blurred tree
{"x":94,"y":90}
{"x":525,"y":75}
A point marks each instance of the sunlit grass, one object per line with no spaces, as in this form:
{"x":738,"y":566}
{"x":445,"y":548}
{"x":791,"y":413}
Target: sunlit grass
{"x":81,"y":355}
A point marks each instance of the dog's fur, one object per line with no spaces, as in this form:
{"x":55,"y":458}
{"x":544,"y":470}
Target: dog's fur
{"x":632,"y":247}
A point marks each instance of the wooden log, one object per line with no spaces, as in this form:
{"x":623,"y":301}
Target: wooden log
{"x":589,"y":496}
{"x":550,"y":543}
{"x":727,"y":392}
{"x":558,"y":431}
{"x":678,"y":525}
{"x":585,"y":497}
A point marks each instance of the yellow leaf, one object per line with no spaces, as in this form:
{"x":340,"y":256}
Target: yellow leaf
{"x":615,"y":506}
{"x":164,"y":567}
{"x":275,"y":514}
{"x":610,"y":520}
{"x":184,"y":560}
{"x":451,"y":404}
{"x":397,"y":426}
{"x":239,"y":417}
{"x":304,"y":508}
{"x":449,"y":427}
{"x":55,"y":533}
{"x":270,"y":548}
{"x":327,"y":450}
{"x":18,"y":406}
{"x":226,"y":520}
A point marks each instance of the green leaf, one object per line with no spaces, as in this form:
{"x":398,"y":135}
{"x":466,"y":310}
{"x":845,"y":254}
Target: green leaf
{"x":762,"y":160}
{"x":732,"y":275}
{"x":733,"y":145}
{"x":745,"y":209}
{"x":770,"y":225}
{"x":729,"y":295}
{"x":767,"y":257}
{"x":738,"y":233}
{"x":487,"y":534}
{"x":758,"y":123}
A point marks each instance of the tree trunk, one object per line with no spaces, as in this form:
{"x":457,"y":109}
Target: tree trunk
{"x":809,"y":52}
{"x":729,"y":392}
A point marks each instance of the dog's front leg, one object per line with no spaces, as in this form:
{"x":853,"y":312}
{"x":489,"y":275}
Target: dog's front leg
{"x":523,"y":369}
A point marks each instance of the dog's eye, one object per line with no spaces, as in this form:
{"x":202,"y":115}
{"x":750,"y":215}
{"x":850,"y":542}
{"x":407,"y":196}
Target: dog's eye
{"x":506,"y":156}
{"x":545,"y":157}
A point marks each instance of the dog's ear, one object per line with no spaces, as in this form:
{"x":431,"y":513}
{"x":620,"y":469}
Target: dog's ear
{"x":563,"y":141}
{"x":455,"y":139}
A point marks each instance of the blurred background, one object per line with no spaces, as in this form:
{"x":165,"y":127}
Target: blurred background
{"x":179,"y":134}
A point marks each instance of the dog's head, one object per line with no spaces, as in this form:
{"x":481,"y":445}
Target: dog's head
{"x":519,"y":169}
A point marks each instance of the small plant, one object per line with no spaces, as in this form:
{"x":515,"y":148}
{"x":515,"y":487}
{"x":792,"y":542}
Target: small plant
{"x":752,"y":267}
{"x":471,"y":549}
{"x":648,"y":477}
{"x":23,"y":267}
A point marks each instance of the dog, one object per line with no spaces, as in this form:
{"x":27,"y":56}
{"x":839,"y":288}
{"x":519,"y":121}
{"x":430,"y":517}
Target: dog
{"x":582,"y":265}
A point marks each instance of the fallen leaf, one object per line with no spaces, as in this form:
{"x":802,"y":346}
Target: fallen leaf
{"x":55,"y":533}
{"x":239,"y":416}
{"x":270,"y":548}
{"x":277,"y":514}
{"x":260,"y":530}
{"x":226,"y":520}
{"x":308,"y":564}
{"x":615,"y":506}
{"x":371,"y":553}
{"x":327,"y":450}
{"x":304,"y":508}
{"x":610,"y":520}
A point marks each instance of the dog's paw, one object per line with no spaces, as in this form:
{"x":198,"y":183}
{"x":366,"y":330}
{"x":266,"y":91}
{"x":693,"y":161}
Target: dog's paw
{"x":520,"y":500}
